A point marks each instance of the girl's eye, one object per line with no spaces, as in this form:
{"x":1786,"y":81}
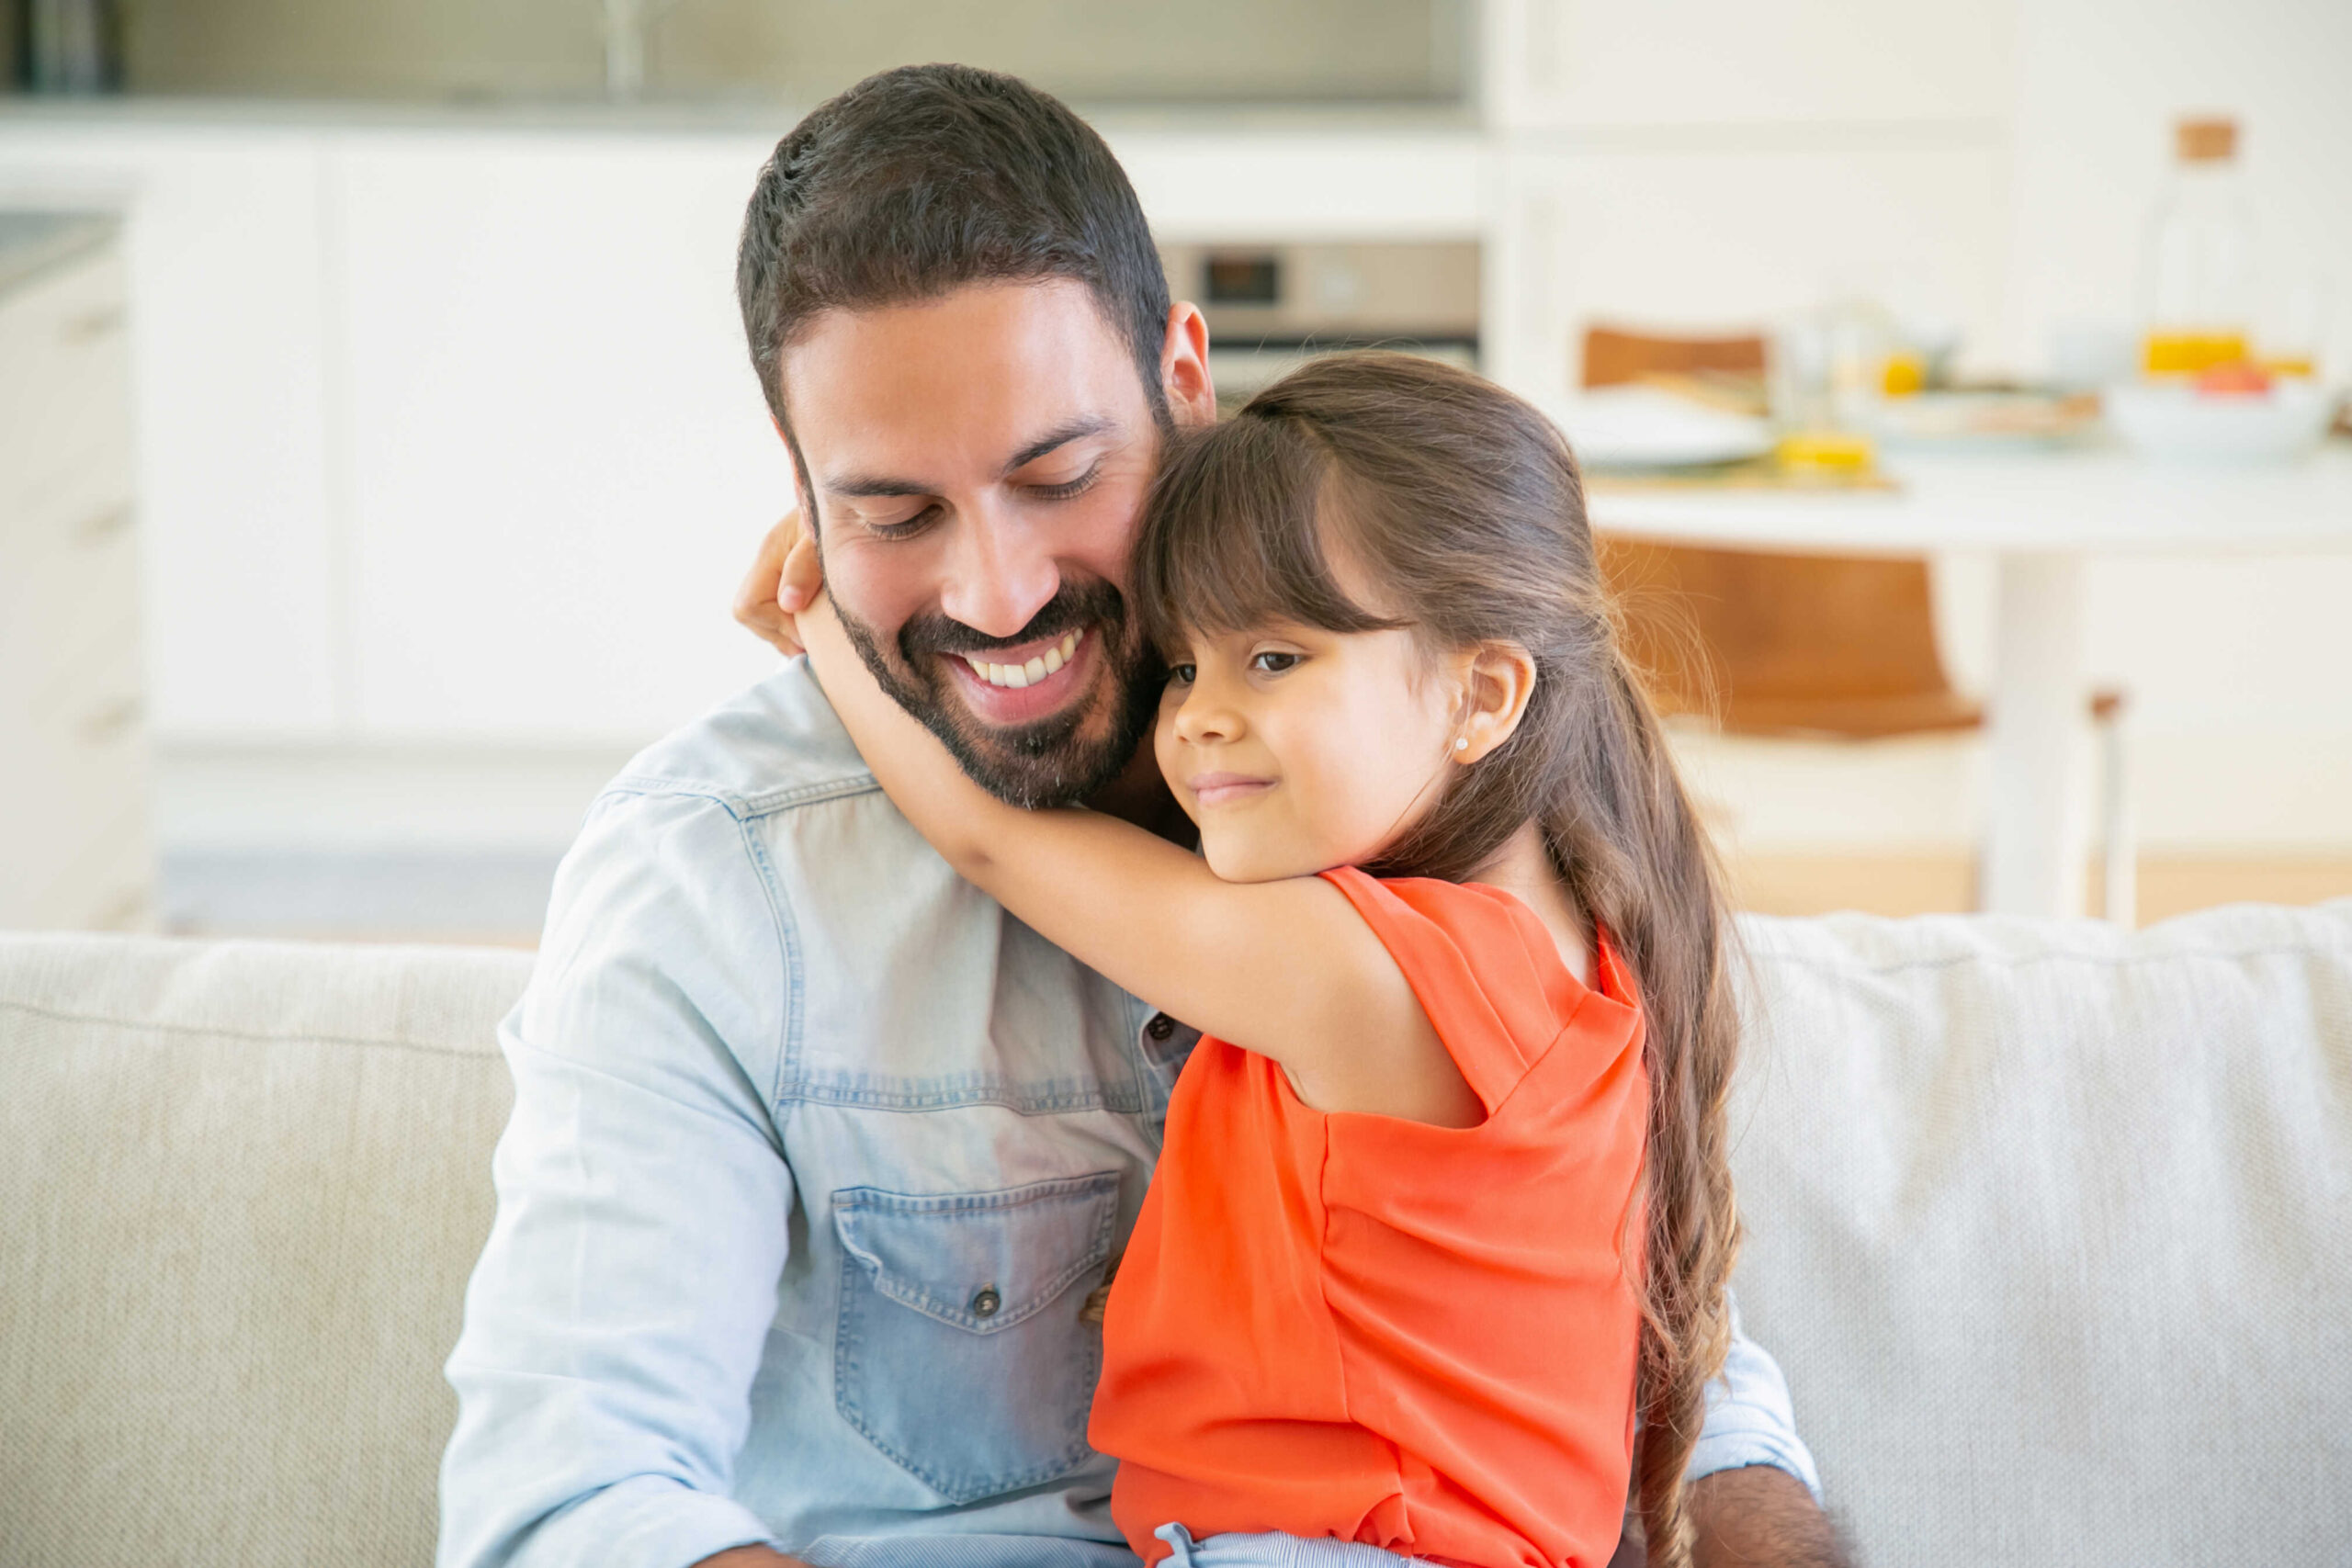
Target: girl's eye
{"x":1273,"y":663}
{"x":1179,"y":674}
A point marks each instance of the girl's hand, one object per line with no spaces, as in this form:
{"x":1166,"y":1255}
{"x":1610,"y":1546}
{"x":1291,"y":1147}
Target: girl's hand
{"x":849,"y":686}
{"x":782,"y":581}
{"x":914,"y":767}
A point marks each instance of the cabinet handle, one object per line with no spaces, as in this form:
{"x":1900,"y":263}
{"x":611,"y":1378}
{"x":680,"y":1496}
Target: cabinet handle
{"x":112,"y":723}
{"x":105,"y":525}
{"x":94,"y":325}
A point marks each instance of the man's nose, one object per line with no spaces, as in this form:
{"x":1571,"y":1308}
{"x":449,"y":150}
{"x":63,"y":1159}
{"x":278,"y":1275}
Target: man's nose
{"x":997,"y":578}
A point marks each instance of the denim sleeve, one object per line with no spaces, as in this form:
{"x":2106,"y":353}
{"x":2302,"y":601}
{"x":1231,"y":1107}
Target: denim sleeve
{"x":1749,"y":1419}
{"x":617,"y":1318}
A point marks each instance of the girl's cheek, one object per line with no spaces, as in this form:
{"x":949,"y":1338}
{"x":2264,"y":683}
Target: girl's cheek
{"x":1164,"y":744}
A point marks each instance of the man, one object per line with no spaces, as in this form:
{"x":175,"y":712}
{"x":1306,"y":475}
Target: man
{"x":819,"y":1163}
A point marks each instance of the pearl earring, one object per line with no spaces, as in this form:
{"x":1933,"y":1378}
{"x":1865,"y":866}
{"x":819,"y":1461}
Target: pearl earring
{"x":1461,"y":743}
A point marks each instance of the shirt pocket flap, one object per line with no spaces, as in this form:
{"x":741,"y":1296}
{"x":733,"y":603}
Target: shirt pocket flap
{"x":980,"y":1261}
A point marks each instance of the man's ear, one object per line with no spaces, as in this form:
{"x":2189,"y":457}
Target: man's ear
{"x":1497,"y":687}
{"x":1184,"y":368}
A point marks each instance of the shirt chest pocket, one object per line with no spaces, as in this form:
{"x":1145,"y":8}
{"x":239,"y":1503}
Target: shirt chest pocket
{"x":963,"y":1352}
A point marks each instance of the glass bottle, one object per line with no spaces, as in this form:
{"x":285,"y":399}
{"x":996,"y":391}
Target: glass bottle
{"x":2199,"y":274}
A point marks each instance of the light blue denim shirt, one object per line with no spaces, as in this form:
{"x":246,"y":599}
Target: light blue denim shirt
{"x":819,"y":1159}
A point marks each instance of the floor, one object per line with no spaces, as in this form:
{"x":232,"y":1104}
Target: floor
{"x":1942,"y":883}
{"x":499,"y":899}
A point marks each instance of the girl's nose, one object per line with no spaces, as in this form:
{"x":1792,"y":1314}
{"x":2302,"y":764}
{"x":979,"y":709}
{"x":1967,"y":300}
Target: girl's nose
{"x":1205,"y":718}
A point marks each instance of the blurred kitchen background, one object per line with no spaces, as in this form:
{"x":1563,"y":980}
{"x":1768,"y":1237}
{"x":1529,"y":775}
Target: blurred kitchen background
{"x":380,"y":454}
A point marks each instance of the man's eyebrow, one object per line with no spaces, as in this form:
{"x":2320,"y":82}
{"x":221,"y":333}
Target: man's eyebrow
{"x":885,"y":485}
{"x":1062,"y":434}
{"x":876,"y":485}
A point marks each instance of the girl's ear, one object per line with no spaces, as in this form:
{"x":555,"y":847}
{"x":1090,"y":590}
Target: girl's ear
{"x":1497,"y":685}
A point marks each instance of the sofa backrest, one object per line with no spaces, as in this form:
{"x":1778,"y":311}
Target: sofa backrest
{"x":2048,"y":1226}
{"x":2045,"y":1226}
{"x":240,"y":1187}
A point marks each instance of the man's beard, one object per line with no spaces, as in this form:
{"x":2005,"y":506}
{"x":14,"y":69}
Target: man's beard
{"x":1051,"y":762}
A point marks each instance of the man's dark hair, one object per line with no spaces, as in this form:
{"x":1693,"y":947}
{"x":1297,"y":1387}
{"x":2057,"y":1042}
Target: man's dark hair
{"x":919,"y":180}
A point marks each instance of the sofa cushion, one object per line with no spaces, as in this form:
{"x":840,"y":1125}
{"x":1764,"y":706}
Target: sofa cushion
{"x":241,"y":1188}
{"x":2047,"y":1226}
{"x":2044,"y":1223}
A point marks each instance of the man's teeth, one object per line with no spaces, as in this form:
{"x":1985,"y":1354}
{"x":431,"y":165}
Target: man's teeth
{"x":1013,"y":677}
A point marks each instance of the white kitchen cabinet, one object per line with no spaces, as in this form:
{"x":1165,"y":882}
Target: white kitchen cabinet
{"x":234,"y":380}
{"x":560,"y":459}
{"x":1669,"y":65}
{"x":1297,"y":184}
{"x":1731,"y":239}
{"x":230,"y":395}
{"x":75,"y":834}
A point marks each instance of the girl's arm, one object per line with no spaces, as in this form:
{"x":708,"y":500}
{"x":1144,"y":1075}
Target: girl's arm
{"x":1287,"y":969}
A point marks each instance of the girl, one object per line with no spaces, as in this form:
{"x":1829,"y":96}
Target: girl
{"x":1443,"y":1204}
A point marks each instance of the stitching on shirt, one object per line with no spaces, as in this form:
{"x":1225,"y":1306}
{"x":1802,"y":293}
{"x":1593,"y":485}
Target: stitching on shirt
{"x":743,"y":807}
{"x":787,"y":935}
{"x":773,"y":801}
{"x":251,"y":1036}
{"x":1004,"y":1098}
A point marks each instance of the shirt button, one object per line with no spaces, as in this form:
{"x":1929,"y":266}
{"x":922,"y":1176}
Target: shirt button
{"x":984,"y":1300}
{"x":1161,"y":1027}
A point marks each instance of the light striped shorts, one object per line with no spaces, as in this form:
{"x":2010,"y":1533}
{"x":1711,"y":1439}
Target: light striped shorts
{"x":1272,"y":1550}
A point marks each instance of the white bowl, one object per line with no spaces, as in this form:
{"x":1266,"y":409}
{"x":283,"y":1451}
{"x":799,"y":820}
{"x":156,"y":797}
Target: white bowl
{"x":2175,"y":421}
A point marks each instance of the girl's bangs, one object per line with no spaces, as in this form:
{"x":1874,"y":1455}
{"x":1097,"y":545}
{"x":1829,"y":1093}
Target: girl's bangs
{"x":1234,"y":537}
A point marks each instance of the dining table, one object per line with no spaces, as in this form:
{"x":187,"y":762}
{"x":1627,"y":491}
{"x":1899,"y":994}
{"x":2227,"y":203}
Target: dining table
{"x":2041,"y":514}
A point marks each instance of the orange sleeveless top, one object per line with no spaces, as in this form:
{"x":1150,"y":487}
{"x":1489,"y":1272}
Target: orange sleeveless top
{"x":1418,"y":1337}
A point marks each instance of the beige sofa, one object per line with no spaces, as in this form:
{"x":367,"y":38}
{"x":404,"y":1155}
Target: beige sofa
{"x":2047,"y":1225}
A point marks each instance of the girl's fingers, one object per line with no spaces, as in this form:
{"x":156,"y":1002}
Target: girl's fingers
{"x":759,"y":608}
{"x":800,"y":575}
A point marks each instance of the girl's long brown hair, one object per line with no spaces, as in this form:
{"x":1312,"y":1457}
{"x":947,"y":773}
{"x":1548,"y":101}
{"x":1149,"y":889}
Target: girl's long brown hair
{"x":1463,"y":507}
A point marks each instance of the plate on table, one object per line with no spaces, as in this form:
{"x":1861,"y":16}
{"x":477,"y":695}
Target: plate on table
{"x":1640,"y":426}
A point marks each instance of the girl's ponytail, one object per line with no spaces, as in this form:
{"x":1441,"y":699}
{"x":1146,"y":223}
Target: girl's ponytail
{"x":1636,"y":858}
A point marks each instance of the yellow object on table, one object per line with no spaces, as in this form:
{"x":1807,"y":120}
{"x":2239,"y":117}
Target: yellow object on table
{"x":1905,"y":375}
{"x":1826,"y":451}
{"x":2186,"y":354}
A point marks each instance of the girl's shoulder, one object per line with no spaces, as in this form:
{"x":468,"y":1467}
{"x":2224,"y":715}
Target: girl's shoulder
{"x":1485,"y":970}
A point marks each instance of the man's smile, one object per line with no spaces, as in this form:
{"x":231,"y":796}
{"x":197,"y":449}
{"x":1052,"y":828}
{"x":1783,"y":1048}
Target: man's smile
{"x":1027,"y":682}
{"x":1023,"y":666}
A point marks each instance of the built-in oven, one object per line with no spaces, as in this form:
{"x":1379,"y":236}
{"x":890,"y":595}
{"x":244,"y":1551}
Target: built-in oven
{"x":1273,"y":306}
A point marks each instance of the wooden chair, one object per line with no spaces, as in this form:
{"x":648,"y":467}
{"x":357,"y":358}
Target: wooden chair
{"x":1818,"y":647}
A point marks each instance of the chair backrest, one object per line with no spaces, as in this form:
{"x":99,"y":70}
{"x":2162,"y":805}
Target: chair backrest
{"x":1612,"y":356}
{"x":1766,"y":642}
